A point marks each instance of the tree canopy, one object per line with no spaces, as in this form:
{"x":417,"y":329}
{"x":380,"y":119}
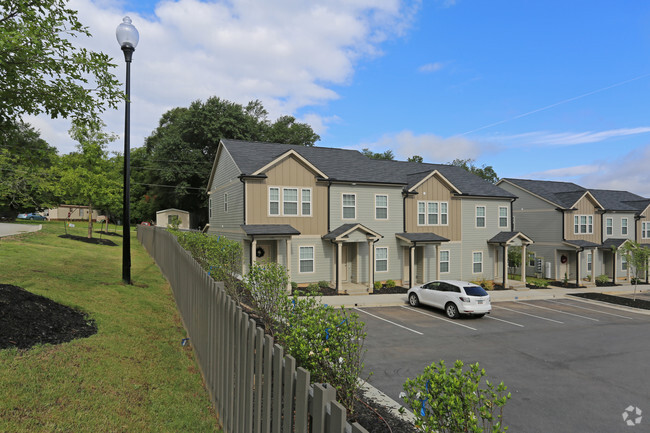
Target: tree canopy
{"x":41,"y":70}
{"x":181,"y":150}
{"x":484,"y":171}
{"x":386,"y":155}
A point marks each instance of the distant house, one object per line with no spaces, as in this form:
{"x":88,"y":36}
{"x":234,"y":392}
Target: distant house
{"x":166,"y":217}
{"x":72,"y":213}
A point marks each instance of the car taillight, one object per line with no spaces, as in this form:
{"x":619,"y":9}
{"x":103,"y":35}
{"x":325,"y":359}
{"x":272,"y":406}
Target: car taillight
{"x":463,"y":299}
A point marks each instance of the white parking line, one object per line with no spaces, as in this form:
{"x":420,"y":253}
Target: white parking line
{"x":591,"y":309}
{"x":560,"y":311}
{"x":501,"y":320}
{"x":527,"y":314}
{"x":440,"y":318}
{"x":386,"y":320}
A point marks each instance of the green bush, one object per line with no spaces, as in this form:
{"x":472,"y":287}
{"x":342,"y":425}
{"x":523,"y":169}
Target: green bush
{"x":313,"y":288}
{"x":267,"y":284}
{"x":537,"y":282}
{"x":326,"y":341}
{"x":324,"y":284}
{"x":377,"y":286}
{"x":294,"y":285}
{"x":390,"y":284}
{"x":453,"y":401}
{"x":602,"y":279}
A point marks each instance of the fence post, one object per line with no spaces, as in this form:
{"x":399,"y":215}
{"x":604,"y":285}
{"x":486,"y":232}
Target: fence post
{"x":302,"y":400}
{"x":289,"y":383}
{"x":278,"y":354}
{"x":323,"y":395}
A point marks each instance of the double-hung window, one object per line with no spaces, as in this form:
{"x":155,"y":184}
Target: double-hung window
{"x":480,"y":216}
{"x":589,"y":261}
{"x":624,"y":226}
{"x":290,"y":201}
{"x":609,"y":226}
{"x":274,"y":201}
{"x":503,"y":216}
{"x":225,"y":202}
{"x":444,"y":261}
{"x":381,"y":207}
{"x":306,"y":259}
{"x":349,"y":206}
{"x":433,"y":213}
{"x":645,"y":230}
{"x":477,"y":262}
{"x":422,"y":216}
{"x":306,"y":202}
{"x":623,"y":263}
{"x":583,"y":224}
{"x":381,"y":259}
{"x":444,"y":213}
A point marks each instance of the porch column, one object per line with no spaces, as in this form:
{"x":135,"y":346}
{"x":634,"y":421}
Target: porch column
{"x":523,"y":263}
{"x":339,"y":253}
{"x":288,"y":259}
{"x":371,"y":269}
{"x":593,"y":266}
{"x":253,"y":251}
{"x":578,"y":268}
{"x":505,"y":266}
{"x":437,"y":247}
{"x":412,"y":267}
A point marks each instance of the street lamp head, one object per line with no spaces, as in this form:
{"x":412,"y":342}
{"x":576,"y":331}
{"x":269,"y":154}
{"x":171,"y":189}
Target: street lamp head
{"x":127,"y":35}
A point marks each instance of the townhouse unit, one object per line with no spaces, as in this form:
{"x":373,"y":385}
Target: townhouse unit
{"x":335,"y":215}
{"x":577,"y":231}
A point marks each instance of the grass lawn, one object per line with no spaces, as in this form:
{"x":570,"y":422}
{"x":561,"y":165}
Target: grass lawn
{"x":132,"y":376}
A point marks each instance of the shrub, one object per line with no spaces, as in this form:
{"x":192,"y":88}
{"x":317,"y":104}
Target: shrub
{"x":324,"y":284}
{"x":377,"y":285}
{"x":390,"y":284}
{"x":313,"y":288}
{"x":267,"y":284}
{"x":453,"y":400}
{"x":294,"y":285}
{"x":602,"y":279}
{"x":537,"y":282}
{"x":486,"y":284}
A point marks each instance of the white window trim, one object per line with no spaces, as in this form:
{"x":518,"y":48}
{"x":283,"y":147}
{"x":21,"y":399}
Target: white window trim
{"x":645,"y":230}
{"x":387,"y":259}
{"x":624,"y":262}
{"x":381,"y":207}
{"x":473,"y":262}
{"x":624,"y":226}
{"x":609,"y":226}
{"x":590,"y":225}
{"x":225,"y":202}
{"x":476,"y":217}
{"x":297,"y":202}
{"x":590,"y":261}
{"x":210,"y":207}
{"x":421,"y":213}
{"x":426,"y":213}
{"x":440,"y":213}
{"x":313,"y":259}
{"x":506,"y":217}
{"x":279,"y":201}
{"x":448,"y":262}
{"x":311,"y":200}
{"x":343,"y":206}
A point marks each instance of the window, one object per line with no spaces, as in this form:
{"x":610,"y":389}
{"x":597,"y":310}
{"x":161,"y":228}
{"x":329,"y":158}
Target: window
{"x":432,"y":213}
{"x":349,"y":206}
{"x":381,"y":259}
{"x":444,"y":261}
{"x":645,"y":230}
{"x":609,"y":226}
{"x":306,"y":202}
{"x":583,"y":224}
{"x":225,"y":202}
{"x":624,"y":226}
{"x":210,"y":207}
{"x":81,"y":213}
{"x":503,"y":216}
{"x":274,"y":201}
{"x":589,"y":261}
{"x":381,"y":207}
{"x":306,"y":259}
{"x":531,"y":259}
{"x":623,"y":263}
{"x":480,"y":216}
{"x":477,"y":262}
{"x":290,"y":201}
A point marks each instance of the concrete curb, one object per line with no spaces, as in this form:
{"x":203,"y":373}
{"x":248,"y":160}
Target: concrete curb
{"x":393,"y":407}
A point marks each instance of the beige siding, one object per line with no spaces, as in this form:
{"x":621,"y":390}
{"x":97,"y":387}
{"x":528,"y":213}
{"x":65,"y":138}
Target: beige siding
{"x":162,"y":218}
{"x":288,"y":173}
{"x":585,"y":206}
{"x":645,"y":217}
{"x":434,"y":190}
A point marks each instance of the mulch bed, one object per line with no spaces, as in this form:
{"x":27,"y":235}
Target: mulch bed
{"x":95,"y":241}
{"x":565,"y":285}
{"x":27,"y":319}
{"x":377,"y":419}
{"x":390,"y":290}
{"x":618,"y":300}
{"x":101,"y":232}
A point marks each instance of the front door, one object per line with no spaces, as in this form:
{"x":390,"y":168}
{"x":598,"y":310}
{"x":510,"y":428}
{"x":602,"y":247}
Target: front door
{"x":265,"y":252}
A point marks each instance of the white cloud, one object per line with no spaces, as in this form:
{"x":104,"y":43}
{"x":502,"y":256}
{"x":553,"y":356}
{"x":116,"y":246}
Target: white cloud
{"x":431,"y":67}
{"x":286,"y":53}
{"x":564,"y":172}
{"x":431,"y":147}
{"x":543,"y":138}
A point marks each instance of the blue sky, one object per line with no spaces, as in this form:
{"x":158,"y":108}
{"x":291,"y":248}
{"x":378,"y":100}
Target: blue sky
{"x":551,"y":90}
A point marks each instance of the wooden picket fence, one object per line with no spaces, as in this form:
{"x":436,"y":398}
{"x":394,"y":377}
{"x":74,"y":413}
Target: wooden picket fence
{"x":254,"y":386}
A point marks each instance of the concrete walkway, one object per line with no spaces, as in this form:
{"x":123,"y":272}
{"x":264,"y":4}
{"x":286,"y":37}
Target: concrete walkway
{"x":8,"y":229}
{"x":495,"y":295}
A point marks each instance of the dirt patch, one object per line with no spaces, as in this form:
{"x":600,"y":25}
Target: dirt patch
{"x":618,"y":300}
{"x":27,"y":319}
{"x":378,"y":419}
{"x":94,"y":241}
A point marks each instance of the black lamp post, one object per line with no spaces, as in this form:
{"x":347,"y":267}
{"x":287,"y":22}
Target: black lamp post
{"x":127,"y":37}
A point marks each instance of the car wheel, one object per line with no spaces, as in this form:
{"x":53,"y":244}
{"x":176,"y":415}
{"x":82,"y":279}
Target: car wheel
{"x":413,"y":300}
{"x":452,"y":310}
{"x":31,"y":218}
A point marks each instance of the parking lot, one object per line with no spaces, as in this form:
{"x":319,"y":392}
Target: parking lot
{"x":571,"y":365}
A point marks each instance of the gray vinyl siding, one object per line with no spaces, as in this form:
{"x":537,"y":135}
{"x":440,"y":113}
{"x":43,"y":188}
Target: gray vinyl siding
{"x":617,"y":224}
{"x":226,"y":182}
{"x":324,"y":259}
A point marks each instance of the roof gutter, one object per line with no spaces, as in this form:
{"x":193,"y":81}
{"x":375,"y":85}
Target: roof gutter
{"x":405,"y":194}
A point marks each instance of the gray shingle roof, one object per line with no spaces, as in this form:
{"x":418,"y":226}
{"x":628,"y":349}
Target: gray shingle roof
{"x":353,"y":166}
{"x":612,"y":242}
{"x":616,"y":200}
{"x":503,"y":237}
{"x":422,"y":237}
{"x":563,"y":194}
{"x":269,"y":229}
{"x":346,"y":227}
{"x":582,"y":244}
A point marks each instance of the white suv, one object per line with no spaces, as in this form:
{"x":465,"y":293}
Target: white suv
{"x":455,"y":297}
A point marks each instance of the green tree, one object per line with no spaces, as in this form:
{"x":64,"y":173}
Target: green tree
{"x":41,"y":71}
{"x":416,"y":158}
{"x":25,"y":162}
{"x":386,"y":155}
{"x":180,"y":152}
{"x":637,"y":257}
{"x":87,"y":176}
{"x":485,"y":171}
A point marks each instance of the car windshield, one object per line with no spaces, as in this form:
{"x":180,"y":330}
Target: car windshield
{"x":475,"y":291}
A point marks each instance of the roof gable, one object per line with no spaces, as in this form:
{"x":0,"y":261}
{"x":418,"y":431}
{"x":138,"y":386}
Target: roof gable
{"x":220,"y":150}
{"x":440,"y":177}
{"x":291,"y":154}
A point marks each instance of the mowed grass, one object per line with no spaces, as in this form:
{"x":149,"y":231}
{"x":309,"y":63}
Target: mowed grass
{"x":132,"y":376}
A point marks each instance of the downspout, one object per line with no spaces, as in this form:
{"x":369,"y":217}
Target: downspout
{"x":329,"y":204}
{"x":336,"y":256}
{"x":512,"y":215}
{"x":372,"y":277}
{"x":404,"y":196}
{"x":252,"y":252}
{"x":243,"y":183}
{"x":505,"y":266}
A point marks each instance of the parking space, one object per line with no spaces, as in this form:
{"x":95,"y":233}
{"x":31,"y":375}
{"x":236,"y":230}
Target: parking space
{"x":559,"y":357}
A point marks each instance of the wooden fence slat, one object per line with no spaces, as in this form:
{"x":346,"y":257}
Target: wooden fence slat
{"x":276,"y":411}
{"x":268,"y":384}
{"x":356,"y":428}
{"x":289,"y":391}
{"x":259,"y":374}
{"x":323,"y":395}
{"x":250,"y":376}
{"x":302,"y":400}
{"x":336,"y":422}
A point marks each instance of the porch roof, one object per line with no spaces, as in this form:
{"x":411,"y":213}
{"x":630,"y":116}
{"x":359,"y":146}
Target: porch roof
{"x":346,"y":229}
{"x":581,"y":244}
{"x":421,"y":237}
{"x":269,"y":229}
{"x":508,"y":237}
{"x":612,"y":242}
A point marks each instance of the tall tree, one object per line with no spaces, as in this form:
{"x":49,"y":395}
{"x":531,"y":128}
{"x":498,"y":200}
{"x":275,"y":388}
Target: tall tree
{"x":25,"y":162}
{"x":637,"y":257}
{"x":87,"y":176}
{"x":416,"y":158}
{"x":484,"y":171}
{"x":41,"y":70}
{"x":181,"y":150}
{"x":386,"y":155}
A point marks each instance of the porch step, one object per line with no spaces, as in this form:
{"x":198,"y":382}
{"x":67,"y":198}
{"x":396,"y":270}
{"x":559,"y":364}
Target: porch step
{"x":354,"y":289}
{"x":516,"y":285}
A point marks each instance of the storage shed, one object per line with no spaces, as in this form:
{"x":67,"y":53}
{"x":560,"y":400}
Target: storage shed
{"x":166,"y":217}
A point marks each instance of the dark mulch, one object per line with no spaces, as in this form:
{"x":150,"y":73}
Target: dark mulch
{"x":565,"y":285}
{"x":618,"y":300}
{"x":390,"y":290}
{"x":607,"y":284}
{"x":95,"y":241}
{"x":378,"y":419}
{"x":102,"y":232}
{"x":27,"y":319}
{"x":321,"y":291}
{"x":533,"y":286}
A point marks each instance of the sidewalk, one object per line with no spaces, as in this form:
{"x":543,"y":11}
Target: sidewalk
{"x":495,"y":295}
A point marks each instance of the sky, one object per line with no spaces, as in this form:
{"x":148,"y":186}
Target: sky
{"x":552,"y":90}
